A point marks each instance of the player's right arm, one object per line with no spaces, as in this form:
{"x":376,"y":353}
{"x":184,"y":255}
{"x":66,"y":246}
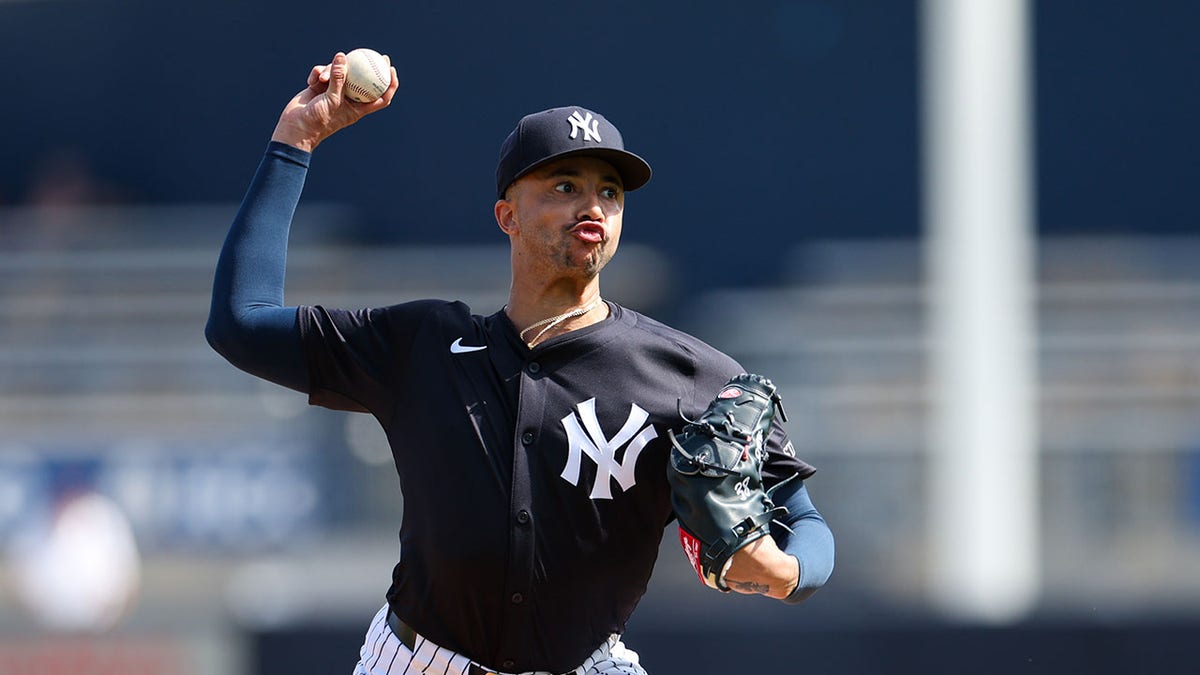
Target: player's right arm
{"x":248,"y":323}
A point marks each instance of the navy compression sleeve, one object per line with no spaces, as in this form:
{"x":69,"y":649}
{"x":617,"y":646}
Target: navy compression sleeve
{"x":247,"y":322}
{"x":809,"y":539}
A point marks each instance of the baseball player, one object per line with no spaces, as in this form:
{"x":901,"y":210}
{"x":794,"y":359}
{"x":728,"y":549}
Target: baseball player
{"x":532,"y":443}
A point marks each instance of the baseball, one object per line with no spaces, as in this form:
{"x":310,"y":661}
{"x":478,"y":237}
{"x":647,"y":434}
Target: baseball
{"x":368,"y":75}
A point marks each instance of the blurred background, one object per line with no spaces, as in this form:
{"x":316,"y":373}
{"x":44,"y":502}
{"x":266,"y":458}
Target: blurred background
{"x":161,"y":512}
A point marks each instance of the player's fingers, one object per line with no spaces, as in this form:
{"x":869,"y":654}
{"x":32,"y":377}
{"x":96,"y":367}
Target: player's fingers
{"x":337,"y":77}
{"x":386,"y":98}
{"x":318,"y":78}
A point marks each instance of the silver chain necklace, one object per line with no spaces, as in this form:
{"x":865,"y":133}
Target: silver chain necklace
{"x":555,"y":320}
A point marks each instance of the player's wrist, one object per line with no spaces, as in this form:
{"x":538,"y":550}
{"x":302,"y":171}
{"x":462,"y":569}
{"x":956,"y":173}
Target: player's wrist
{"x":288,"y":136}
{"x":792,"y":578}
{"x":762,"y":568}
{"x":295,"y":130}
{"x":782,"y":577}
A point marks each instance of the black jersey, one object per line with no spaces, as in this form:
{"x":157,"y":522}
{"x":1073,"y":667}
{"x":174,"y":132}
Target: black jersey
{"x":534,"y":480}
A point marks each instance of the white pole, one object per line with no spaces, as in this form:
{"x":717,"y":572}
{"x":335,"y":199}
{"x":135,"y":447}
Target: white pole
{"x":983,"y":499}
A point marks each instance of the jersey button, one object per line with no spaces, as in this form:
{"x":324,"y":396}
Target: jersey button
{"x":517,"y":598}
{"x":522,"y":516}
{"x":527,"y":437}
{"x":508,"y":664}
{"x":534,"y":368}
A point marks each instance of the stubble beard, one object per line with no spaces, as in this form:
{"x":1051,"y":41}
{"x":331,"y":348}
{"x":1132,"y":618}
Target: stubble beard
{"x":596,"y":261}
{"x":565,"y":253}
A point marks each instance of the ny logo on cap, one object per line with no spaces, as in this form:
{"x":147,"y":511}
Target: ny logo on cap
{"x":580,"y":123}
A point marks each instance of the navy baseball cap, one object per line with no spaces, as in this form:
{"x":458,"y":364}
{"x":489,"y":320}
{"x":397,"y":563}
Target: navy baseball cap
{"x":560,"y":132}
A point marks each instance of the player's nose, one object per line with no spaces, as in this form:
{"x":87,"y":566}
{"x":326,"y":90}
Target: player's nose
{"x":591,"y":208}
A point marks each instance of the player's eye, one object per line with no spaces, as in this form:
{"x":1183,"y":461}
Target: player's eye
{"x":564,"y":187}
{"x":610,"y":192}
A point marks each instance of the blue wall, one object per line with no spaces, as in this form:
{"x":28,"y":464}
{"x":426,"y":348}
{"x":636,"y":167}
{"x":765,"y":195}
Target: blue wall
{"x":785,"y":119}
{"x":796,"y":119}
{"x":1118,"y":97}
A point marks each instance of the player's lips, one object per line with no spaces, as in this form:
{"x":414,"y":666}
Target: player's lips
{"x":589,"y":231}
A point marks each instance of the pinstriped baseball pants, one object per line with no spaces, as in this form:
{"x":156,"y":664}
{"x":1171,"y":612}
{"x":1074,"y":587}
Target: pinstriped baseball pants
{"x":382,"y":653}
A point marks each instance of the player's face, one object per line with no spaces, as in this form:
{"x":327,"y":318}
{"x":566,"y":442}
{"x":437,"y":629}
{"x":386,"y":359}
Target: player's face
{"x":567,"y":215}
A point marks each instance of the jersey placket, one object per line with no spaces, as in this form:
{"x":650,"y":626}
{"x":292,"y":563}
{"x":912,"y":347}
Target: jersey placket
{"x":518,"y":582}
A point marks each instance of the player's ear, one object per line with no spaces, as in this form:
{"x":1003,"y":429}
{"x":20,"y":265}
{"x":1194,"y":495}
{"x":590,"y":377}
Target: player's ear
{"x":506,"y":216}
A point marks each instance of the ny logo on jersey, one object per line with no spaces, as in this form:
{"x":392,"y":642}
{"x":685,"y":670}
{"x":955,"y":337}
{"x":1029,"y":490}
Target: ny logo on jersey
{"x":580,"y":123}
{"x":588,"y":439}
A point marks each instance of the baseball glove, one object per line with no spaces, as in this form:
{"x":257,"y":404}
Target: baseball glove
{"x":715,"y":472}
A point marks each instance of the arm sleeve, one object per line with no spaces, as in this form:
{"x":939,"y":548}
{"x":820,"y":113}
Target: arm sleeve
{"x":809,"y":540}
{"x":247,"y":322}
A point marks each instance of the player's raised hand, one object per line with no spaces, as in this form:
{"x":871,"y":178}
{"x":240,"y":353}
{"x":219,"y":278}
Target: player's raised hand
{"x":321,"y":109}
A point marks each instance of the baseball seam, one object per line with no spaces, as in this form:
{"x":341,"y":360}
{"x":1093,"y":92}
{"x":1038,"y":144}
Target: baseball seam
{"x":375,"y":67}
{"x":358,"y":89}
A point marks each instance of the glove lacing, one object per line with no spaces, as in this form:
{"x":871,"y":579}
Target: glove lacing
{"x":731,"y":433}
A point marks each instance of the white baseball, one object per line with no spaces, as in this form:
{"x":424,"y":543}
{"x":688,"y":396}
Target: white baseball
{"x":367,"y":75}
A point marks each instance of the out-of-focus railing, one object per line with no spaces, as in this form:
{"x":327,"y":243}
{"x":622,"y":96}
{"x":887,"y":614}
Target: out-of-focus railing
{"x":107,"y":384}
{"x":1119,"y":411}
{"x":105,"y":380}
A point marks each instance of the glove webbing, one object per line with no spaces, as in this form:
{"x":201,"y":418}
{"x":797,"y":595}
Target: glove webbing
{"x":696,"y":461}
{"x":730,"y":433}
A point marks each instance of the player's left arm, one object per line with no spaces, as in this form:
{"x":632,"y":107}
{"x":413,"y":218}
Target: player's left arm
{"x":793,"y":562}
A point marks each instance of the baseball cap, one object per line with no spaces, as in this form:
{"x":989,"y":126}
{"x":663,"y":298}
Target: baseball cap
{"x":560,"y":132}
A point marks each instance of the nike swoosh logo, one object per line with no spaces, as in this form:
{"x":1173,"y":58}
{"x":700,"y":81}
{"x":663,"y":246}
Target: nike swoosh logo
{"x":457,"y":347}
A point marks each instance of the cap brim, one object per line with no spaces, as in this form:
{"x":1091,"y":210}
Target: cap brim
{"x":635,"y":171}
